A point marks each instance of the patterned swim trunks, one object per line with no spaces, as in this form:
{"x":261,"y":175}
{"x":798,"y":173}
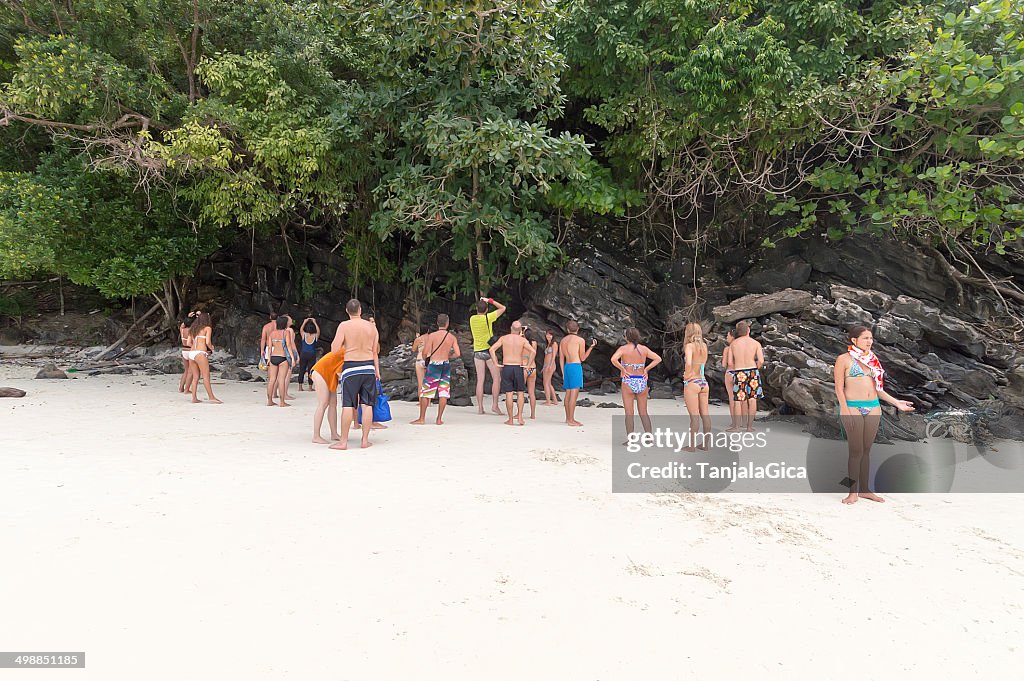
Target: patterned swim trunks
{"x":437,"y":381}
{"x":746,"y":384}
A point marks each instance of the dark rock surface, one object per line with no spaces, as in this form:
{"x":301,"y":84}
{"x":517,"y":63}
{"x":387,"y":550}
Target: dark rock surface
{"x":233,"y":373}
{"x":51,"y":371}
{"x":11,"y":392}
{"x":761,"y":305}
{"x":930,"y":331}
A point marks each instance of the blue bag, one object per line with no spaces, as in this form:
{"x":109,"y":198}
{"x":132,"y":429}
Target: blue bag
{"x":381,"y":410}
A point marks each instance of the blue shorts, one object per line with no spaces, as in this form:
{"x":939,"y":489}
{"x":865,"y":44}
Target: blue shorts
{"x":572,"y":377}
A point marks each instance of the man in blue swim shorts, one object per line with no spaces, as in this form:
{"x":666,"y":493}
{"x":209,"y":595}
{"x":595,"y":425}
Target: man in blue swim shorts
{"x":573,"y":351}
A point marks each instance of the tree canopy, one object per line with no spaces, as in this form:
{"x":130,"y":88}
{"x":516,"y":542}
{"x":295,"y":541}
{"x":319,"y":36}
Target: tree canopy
{"x":445,"y":141}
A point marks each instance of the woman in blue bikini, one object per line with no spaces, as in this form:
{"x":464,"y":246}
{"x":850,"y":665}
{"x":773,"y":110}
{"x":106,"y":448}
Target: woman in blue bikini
{"x":859,"y":387}
{"x":695,"y":386}
{"x":631,"y":360}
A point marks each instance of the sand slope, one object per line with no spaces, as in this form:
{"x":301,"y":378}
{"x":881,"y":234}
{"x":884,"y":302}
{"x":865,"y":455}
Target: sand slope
{"x":172,"y":541}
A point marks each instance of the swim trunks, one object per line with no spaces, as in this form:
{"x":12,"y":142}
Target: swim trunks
{"x":437,"y":381}
{"x":482,"y":355}
{"x":746,"y":384}
{"x":358,"y":384}
{"x":573,"y":376}
{"x":512,"y":379}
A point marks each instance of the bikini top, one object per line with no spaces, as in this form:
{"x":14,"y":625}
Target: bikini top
{"x":548,"y":350}
{"x":198,"y":337}
{"x":525,"y":357}
{"x":855,"y":369}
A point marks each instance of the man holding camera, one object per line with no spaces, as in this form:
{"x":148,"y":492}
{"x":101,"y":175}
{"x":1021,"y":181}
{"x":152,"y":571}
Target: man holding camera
{"x":482,"y":327}
{"x":573,"y":352}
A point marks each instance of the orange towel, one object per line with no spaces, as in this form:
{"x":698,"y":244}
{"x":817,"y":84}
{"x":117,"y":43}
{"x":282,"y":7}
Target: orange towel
{"x":329,"y":366}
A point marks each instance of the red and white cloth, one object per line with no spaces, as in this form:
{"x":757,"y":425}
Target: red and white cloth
{"x":870,"y":360}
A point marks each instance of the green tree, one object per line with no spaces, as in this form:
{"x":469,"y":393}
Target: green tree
{"x":473,"y":152}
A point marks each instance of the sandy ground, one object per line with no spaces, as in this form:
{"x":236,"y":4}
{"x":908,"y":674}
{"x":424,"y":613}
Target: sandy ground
{"x":172,"y":541}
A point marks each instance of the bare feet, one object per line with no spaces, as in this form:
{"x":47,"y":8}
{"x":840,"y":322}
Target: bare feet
{"x":320,"y":441}
{"x":417,"y":422}
{"x":195,"y":401}
{"x":871,"y":496}
{"x":851,"y":498}
{"x":365,"y":444}
{"x":509,"y":423}
{"x":521,"y":422}
{"x":378,"y":426}
{"x":270,"y":403}
{"x":284,"y":404}
{"x":480,"y":410}
{"x":573,"y":423}
{"x":339,"y":445}
{"x":335,"y":437}
{"x":498,"y":412}
{"x":439,"y":422}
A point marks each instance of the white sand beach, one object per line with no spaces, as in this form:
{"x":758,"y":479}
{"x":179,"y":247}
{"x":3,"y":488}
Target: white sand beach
{"x":177,"y":541}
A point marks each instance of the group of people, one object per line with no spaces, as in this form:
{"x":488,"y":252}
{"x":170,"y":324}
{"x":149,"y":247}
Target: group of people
{"x":196,"y":334}
{"x":352,"y":369}
{"x":279,"y":354}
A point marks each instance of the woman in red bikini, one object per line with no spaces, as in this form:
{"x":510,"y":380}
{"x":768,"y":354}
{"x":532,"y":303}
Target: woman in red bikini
{"x":859,"y":387}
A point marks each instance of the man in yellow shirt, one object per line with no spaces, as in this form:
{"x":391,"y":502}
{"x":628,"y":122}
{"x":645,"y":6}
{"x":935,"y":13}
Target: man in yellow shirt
{"x":482,"y":327}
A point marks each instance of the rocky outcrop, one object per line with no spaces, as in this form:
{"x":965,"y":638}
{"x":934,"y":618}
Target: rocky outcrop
{"x":930,"y":339}
{"x":233,"y":373}
{"x":11,"y":392}
{"x":244,"y":285}
{"x":51,"y":371}
{"x":761,"y":305}
{"x":799,"y":297}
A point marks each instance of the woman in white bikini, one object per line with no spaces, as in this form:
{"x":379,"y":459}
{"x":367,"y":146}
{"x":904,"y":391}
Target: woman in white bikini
{"x":695,"y":386}
{"x":199,"y":356}
{"x":631,"y":360}
{"x":529,"y":363}
{"x":550,"y":362}
{"x":282,"y":345}
{"x":858,"y":377}
{"x":185,"y":384}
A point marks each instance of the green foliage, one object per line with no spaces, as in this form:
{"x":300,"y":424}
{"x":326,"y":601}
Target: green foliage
{"x":93,"y":228}
{"x":946,"y":140}
{"x":434,"y":141}
{"x":474,"y":154}
{"x":16,"y":304}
